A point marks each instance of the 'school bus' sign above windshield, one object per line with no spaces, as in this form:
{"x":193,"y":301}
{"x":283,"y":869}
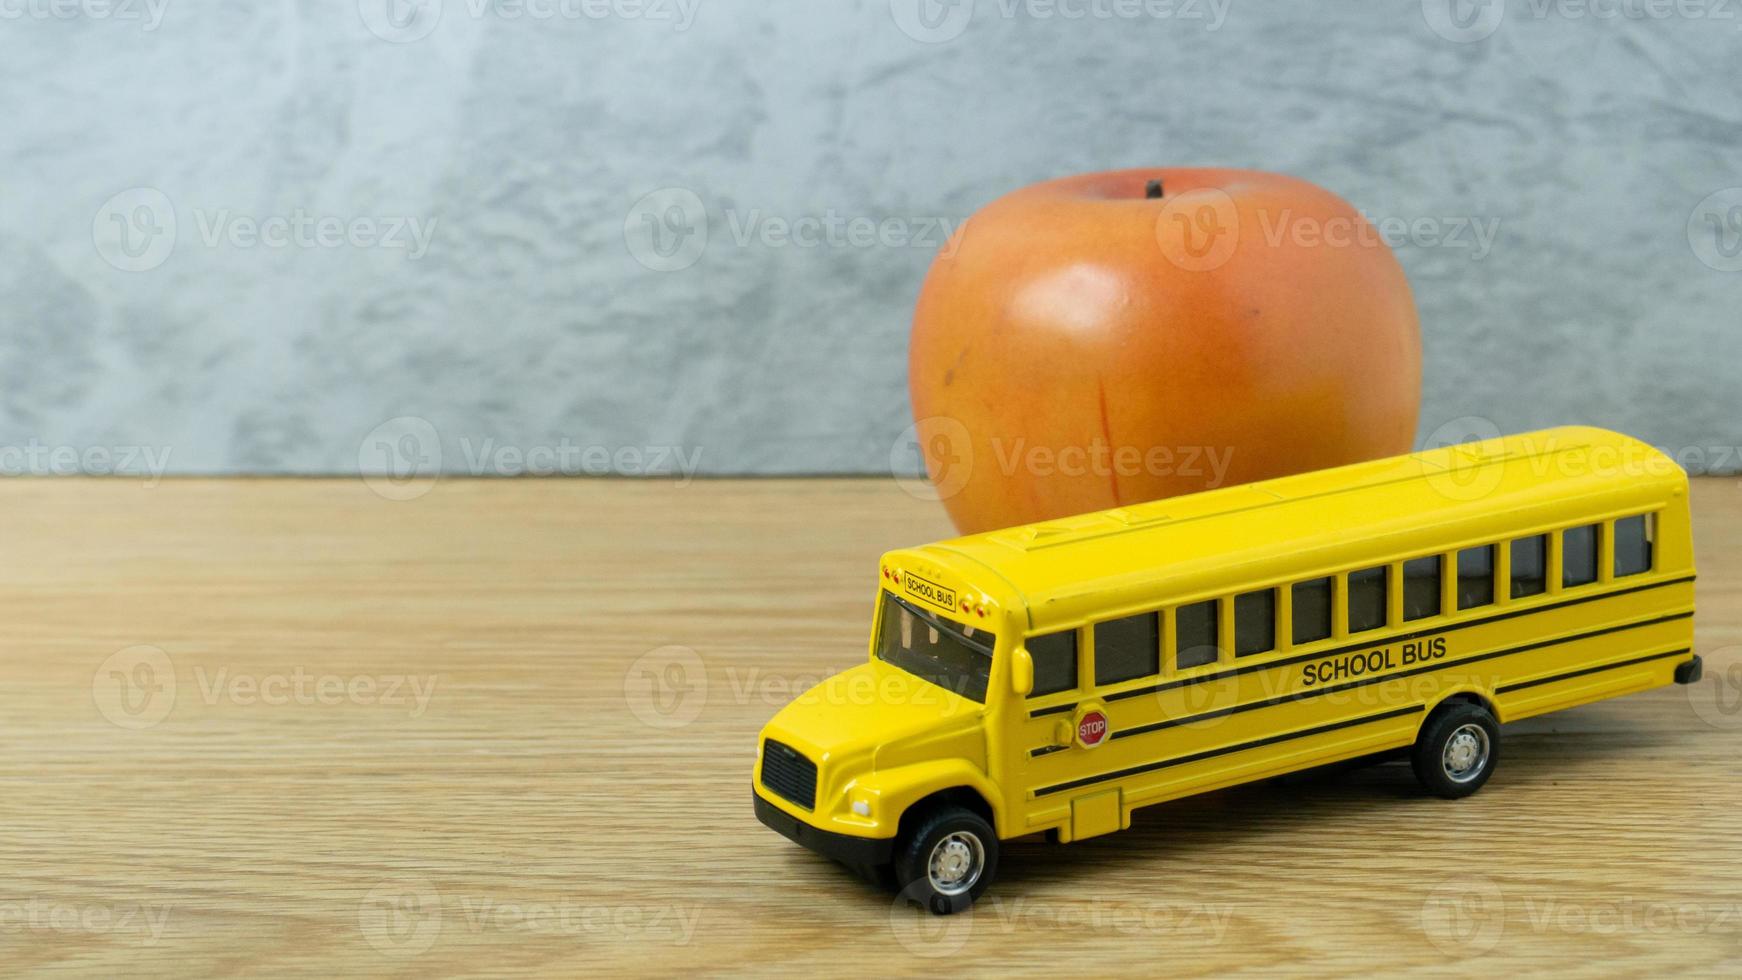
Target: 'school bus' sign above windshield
{"x":931,"y":592}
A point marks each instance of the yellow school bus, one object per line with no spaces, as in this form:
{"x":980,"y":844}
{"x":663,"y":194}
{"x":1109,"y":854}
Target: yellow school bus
{"x":1055,"y":677}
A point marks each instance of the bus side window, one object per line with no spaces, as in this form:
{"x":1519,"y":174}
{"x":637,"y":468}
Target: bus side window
{"x":1195,"y":635}
{"x":1254,"y":622}
{"x":1421,"y":587}
{"x":1311,"y":609}
{"x":1529,"y":566}
{"x":1579,"y":555}
{"x":1055,"y":662}
{"x":1366,"y":599}
{"x":1127,"y":648}
{"x":1476,"y":577}
{"x":1633,"y":540}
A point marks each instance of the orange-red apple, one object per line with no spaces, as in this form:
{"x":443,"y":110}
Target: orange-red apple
{"x":1118,"y":337}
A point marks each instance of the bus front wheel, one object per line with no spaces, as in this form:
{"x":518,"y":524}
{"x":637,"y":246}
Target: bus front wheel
{"x":1457,"y":750}
{"x":947,"y":859}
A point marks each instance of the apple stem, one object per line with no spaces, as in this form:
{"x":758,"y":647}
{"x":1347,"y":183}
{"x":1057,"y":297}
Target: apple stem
{"x":1152,"y":190}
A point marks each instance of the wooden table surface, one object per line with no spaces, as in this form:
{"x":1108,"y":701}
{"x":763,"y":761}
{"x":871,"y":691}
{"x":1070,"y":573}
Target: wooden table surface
{"x":294,"y":727}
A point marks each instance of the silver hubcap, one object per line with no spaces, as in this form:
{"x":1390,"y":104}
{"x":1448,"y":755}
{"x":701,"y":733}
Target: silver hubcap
{"x":955,"y":863}
{"x":1466,"y":753}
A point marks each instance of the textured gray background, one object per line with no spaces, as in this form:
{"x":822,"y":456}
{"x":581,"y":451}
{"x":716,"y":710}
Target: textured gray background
{"x":528,"y":144}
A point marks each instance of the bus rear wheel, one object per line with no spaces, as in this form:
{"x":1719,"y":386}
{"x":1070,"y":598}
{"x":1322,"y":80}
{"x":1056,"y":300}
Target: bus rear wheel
{"x":1457,"y":750}
{"x":946,"y":861}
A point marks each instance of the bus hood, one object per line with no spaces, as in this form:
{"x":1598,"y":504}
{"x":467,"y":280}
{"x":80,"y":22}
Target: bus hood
{"x":880,"y":711}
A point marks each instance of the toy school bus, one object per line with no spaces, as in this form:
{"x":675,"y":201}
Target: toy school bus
{"x":1055,"y":677}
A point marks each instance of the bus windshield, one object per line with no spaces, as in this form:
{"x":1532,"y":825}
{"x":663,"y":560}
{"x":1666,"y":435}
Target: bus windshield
{"x":955,"y":657}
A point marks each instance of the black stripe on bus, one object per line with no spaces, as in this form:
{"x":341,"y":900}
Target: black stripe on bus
{"x":1225,"y":750}
{"x":1569,"y":675}
{"x":1381,"y":678}
{"x":1377,"y":641}
{"x":1412,"y":672}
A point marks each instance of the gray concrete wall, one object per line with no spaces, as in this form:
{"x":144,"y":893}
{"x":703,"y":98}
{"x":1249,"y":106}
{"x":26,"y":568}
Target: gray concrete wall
{"x":297,"y":237}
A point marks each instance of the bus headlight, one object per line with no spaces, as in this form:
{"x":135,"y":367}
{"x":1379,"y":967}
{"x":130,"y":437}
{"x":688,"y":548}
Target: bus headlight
{"x":862,"y":808}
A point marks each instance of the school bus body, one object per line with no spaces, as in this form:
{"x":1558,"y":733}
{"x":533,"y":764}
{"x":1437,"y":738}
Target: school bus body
{"x":1097,"y":740}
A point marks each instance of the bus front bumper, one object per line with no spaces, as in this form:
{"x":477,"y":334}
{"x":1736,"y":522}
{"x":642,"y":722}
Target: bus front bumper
{"x":844,"y":848}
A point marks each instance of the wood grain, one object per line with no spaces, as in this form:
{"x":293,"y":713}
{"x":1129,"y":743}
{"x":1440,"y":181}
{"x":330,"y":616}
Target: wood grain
{"x":212,"y":760}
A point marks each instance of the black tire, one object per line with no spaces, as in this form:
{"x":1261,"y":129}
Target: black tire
{"x":971,"y":839}
{"x":1436,"y":758}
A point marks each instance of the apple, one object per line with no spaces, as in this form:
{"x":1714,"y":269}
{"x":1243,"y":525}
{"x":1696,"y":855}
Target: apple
{"x":1113,"y":338}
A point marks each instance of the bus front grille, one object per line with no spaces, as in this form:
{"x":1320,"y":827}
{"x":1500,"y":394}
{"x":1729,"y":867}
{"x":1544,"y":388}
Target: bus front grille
{"x":787,"y":772}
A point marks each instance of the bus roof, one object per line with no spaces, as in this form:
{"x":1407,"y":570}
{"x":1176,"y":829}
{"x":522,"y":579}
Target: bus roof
{"x":1090,"y":565}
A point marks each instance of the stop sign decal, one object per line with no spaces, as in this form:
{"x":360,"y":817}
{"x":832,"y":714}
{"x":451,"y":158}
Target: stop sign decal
{"x":1092,"y":729}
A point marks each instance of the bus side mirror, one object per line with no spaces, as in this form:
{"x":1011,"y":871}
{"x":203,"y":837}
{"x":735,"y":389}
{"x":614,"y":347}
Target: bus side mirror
{"x":1022,"y":673}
